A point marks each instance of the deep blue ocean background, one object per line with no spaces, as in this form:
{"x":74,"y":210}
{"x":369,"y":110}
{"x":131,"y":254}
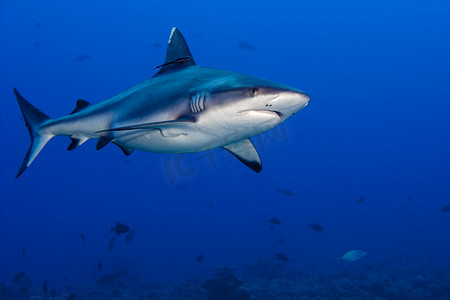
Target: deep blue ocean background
{"x":377,"y":126}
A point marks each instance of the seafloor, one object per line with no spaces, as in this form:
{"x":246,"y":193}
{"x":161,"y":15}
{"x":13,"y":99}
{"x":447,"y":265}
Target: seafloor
{"x":267,"y":280}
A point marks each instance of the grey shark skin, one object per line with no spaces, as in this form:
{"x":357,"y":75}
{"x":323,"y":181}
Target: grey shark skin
{"x":183,"y":108}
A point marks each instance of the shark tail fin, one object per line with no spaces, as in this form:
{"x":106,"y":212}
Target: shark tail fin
{"x":33,"y":119}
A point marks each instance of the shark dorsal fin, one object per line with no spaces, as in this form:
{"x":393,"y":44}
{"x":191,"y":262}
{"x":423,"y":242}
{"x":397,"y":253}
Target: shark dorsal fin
{"x":178,"y":54}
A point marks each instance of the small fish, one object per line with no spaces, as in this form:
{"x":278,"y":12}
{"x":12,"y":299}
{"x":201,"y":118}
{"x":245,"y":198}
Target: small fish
{"x":111,"y":277}
{"x":23,"y":252}
{"x":82,"y":57}
{"x":120,"y":228}
{"x":316,"y":227}
{"x":360,"y":200}
{"x":156,"y":45}
{"x":72,"y":296}
{"x":410,"y":199}
{"x":281,"y":256}
{"x":19,"y":276}
{"x":37,"y":44}
{"x":200,"y":258}
{"x":210,"y":206}
{"x":353,"y":255}
{"x":111,"y":243}
{"x":367,"y":187}
{"x":282,"y":240}
{"x":130,"y":236}
{"x":37,"y":25}
{"x":445,"y":209}
{"x":99,"y":265}
{"x":82,"y":237}
{"x":44,"y":286}
{"x":275,"y":221}
{"x":286,"y":192}
{"x":247,"y":46}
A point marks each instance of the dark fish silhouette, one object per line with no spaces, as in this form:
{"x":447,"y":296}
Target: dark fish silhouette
{"x":281,"y":256}
{"x":37,"y":25}
{"x":82,"y":57}
{"x":82,"y":236}
{"x":282,"y":240}
{"x":19,"y":276}
{"x":274,"y":221}
{"x":286,"y":192}
{"x":360,"y":200}
{"x":99,"y":265}
{"x":247,"y":46}
{"x":317,"y":227}
{"x":210,"y":206}
{"x":410,"y":199}
{"x":445,"y":209}
{"x":111,"y":243}
{"x":72,"y":296}
{"x":130,"y":236}
{"x":37,"y":44}
{"x":44,"y":287}
{"x":200,"y":258}
{"x":120,"y":228}
{"x":23,"y":252}
{"x":111,"y":277}
{"x":156,"y":45}
{"x":24,"y":290}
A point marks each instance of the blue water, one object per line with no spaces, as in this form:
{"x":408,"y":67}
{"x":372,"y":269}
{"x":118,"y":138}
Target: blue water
{"x":377,"y":127}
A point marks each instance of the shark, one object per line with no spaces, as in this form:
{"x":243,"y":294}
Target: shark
{"x":183,"y":108}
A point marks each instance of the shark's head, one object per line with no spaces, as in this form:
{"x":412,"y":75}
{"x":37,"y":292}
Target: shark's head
{"x":242,"y":101}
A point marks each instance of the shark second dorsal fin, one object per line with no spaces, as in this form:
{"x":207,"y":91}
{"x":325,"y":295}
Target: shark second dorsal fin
{"x":81,"y":104}
{"x":178,"y":54}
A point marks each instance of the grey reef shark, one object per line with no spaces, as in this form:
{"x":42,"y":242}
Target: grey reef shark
{"x":183,"y":108}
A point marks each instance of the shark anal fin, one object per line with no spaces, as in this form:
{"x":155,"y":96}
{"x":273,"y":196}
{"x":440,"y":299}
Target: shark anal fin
{"x":81,"y":104}
{"x":126,"y":150}
{"x":246,"y":153}
{"x":178,"y":55}
{"x":154,"y":125}
{"x":103,"y":141}
{"x":76,"y":142}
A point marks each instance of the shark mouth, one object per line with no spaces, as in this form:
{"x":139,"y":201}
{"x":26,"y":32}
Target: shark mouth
{"x":261,"y":112}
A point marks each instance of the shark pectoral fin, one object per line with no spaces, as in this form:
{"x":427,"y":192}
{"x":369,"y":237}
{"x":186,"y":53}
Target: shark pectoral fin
{"x":126,"y":150}
{"x":155,"y":125}
{"x":81,"y":104}
{"x":246,"y":153}
{"x":103,"y":141}
{"x":76,"y":142}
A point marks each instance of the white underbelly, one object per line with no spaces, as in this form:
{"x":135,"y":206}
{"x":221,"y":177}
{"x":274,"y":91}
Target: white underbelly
{"x":154,"y":141}
{"x":206,"y":134}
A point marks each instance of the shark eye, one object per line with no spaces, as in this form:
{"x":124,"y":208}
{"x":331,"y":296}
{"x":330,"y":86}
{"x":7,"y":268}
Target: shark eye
{"x":254,"y":92}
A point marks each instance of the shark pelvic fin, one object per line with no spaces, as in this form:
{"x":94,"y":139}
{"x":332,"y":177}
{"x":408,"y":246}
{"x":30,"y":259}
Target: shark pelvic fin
{"x":103,"y":141}
{"x":246,"y":153}
{"x":81,"y":104}
{"x":126,"y":150}
{"x":178,"y":55}
{"x":34,"y":118}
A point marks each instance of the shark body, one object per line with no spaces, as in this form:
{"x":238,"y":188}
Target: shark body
{"x":183,"y":108}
